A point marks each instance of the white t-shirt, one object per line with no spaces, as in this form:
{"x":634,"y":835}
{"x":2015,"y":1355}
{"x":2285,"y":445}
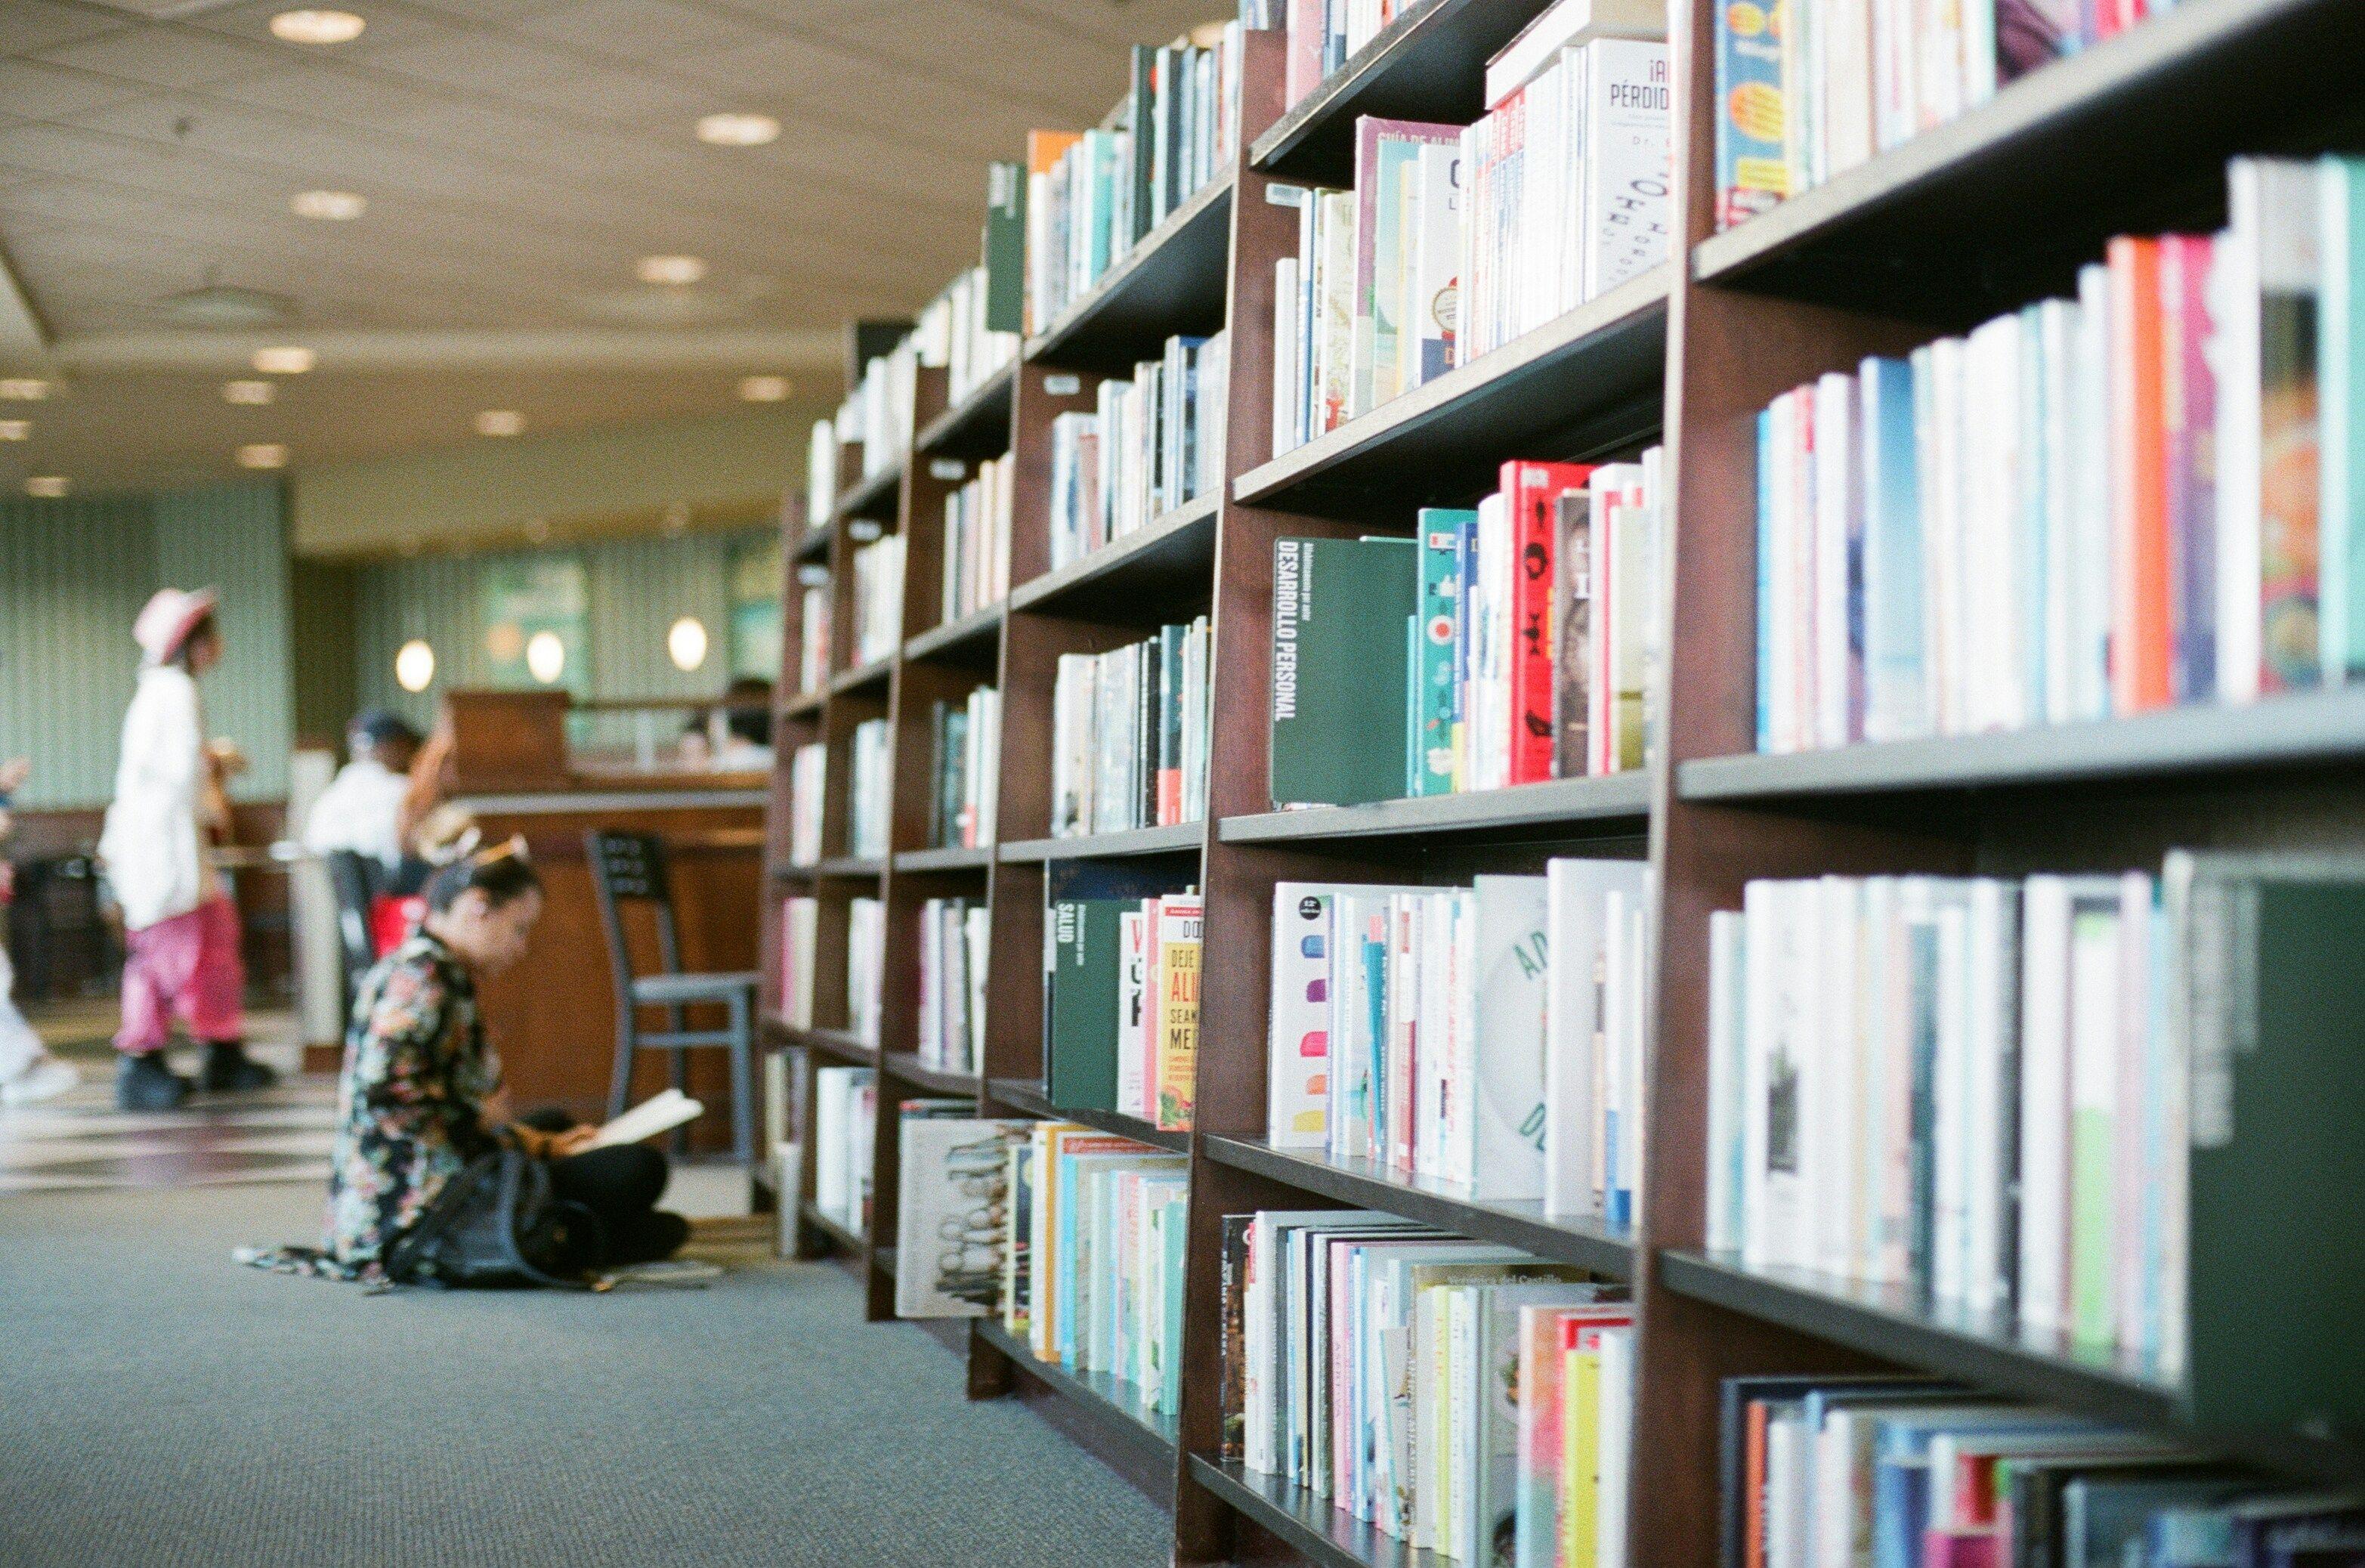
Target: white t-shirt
{"x":361,"y":811}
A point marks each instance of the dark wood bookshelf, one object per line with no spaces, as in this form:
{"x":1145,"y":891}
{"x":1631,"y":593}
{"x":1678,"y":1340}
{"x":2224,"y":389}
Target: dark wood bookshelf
{"x":1305,"y":1521}
{"x":956,"y":858}
{"x":1618,"y":803}
{"x":976,"y":634}
{"x":1127,"y":1414}
{"x":1176,"y":839}
{"x":871,"y":497}
{"x":1027,"y":1097}
{"x":1587,"y":384}
{"x":803,"y":704}
{"x":838,"y":1043}
{"x":1162,"y":563}
{"x":812,"y":545}
{"x":1429,"y":63}
{"x":830,"y":1226}
{"x":858,"y":868}
{"x":2103,"y":142}
{"x":978,"y":426}
{"x":1172,"y":282}
{"x":906,"y":1067}
{"x":871,"y":677}
{"x":1445,"y":1204}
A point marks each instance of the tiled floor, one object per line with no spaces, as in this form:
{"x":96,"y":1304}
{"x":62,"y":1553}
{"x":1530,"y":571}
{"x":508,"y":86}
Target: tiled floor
{"x":281,"y":1133}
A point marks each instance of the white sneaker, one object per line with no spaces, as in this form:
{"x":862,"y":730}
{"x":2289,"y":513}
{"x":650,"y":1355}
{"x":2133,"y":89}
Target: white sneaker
{"x":45,"y":1080}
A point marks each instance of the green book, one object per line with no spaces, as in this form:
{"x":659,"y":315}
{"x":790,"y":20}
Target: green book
{"x":2339,"y":368}
{"x":1004,"y":246}
{"x":1440,"y":530}
{"x":1338,"y":668}
{"x":1144,"y":99}
{"x":1082,"y":958}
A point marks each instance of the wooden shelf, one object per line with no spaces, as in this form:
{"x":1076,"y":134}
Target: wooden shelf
{"x":2298,"y":731}
{"x":813,"y":544}
{"x":1580,"y":386}
{"x":862,"y":677}
{"x":1115,"y":1402}
{"x":1429,"y":64}
{"x":1177,"y":838}
{"x":872,"y":497}
{"x":804,"y":705}
{"x":977,"y":635}
{"x":1168,"y":563}
{"x":1020,"y":1094}
{"x":855,"y":867}
{"x":2103,"y":142}
{"x":1174,"y":282}
{"x":953,"y":859}
{"x":1307,"y":1522}
{"x":1445,"y":1204}
{"x":976,"y":426}
{"x":907,"y":1067}
{"x":1618,"y":803}
{"x":840,"y":1043}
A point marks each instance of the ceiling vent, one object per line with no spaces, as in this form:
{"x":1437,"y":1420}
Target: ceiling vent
{"x":224,"y":305}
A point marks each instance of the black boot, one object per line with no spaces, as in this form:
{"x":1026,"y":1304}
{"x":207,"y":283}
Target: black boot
{"x":145,"y":1081}
{"x":229,"y":1069}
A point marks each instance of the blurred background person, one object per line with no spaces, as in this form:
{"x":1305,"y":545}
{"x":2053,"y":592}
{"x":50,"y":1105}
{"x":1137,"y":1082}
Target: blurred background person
{"x":362,"y":808}
{"x":27,"y":1070}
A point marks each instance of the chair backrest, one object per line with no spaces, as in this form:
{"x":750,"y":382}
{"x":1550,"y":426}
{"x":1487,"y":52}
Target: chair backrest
{"x":630,"y":868}
{"x":354,"y":879}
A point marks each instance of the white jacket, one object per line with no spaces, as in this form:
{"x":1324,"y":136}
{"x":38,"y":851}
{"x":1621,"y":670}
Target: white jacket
{"x":361,"y":811}
{"x":153,"y":842}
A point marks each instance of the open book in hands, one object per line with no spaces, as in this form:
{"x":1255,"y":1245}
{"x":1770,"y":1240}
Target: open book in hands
{"x":660,"y":1112}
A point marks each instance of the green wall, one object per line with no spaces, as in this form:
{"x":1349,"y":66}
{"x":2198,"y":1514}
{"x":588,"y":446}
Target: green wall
{"x":73,"y":576}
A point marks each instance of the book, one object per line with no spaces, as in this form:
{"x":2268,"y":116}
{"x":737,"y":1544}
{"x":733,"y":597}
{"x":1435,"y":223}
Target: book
{"x":1340,"y":606}
{"x":952,"y":1181}
{"x":660,"y":1112}
{"x":1563,"y":25}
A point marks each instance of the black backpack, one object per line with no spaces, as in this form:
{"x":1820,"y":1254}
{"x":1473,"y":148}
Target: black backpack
{"x":496,"y":1224}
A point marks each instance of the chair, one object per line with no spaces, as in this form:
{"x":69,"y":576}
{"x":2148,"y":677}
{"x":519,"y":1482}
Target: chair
{"x":354,"y":879}
{"x":629,"y":869}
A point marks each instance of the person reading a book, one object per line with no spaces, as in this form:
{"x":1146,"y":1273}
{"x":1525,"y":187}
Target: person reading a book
{"x":421,"y":1093}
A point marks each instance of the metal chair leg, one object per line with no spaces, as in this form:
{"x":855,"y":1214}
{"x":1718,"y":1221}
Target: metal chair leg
{"x":620,"y":1083}
{"x":742,"y":1108}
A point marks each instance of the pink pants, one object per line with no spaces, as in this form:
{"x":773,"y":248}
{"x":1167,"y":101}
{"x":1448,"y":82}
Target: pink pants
{"x":189,"y":966}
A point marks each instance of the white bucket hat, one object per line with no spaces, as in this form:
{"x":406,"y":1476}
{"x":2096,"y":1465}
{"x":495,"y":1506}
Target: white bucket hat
{"x":167,"y":619}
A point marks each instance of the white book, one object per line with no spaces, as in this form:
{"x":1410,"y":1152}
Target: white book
{"x":1727,"y":1077}
{"x":1950,"y":1116}
{"x":2044,"y":1102}
{"x":2090,"y":594}
{"x":1615,"y":1439}
{"x":1848,"y":96}
{"x":1808,"y":1075}
{"x":1625,"y":176}
{"x":1565,"y":26}
{"x":1576,"y":898}
{"x":1941,"y":499}
{"x":1288,"y":396}
{"x":1790,"y":560}
{"x":2057,"y":329}
{"x":1132,"y":1009}
{"x":1298,"y":1056}
{"x":1991,"y":1051}
{"x":1436,"y":263}
{"x":1878,"y":1047}
{"x":660,"y":1112}
{"x":1835,"y":460}
{"x":952,"y":1178}
{"x":1507,"y":1086}
{"x":1433,"y":1032}
{"x":1767,"y":1194}
{"x":2130,"y":1166}
{"x":1837,"y":921}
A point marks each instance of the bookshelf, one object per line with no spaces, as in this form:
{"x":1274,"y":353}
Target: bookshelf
{"x":1984,"y":214}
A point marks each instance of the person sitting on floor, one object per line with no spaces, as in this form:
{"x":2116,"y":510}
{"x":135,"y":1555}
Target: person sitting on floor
{"x":421,"y":1093}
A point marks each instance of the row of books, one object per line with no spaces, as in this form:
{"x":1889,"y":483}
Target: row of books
{"x":808,"y":782}
{"x":2142,"y":496}
{"x":977,"y":541}
{"x":866,"y":964}
{"x":1121,"y":996}
{"x":1972,"y":1088}
{"x":1091,"y":197}
{"x":1490,"y":1035}
{"x":954,"y":333}
{"x":869,"y":789}
{"x":812,"y":630}
{"x":953,"y":933}
{"x":1508,"y":644}
{"x":800,"y":931}
{"x":1151,"y":444}
{"x":1129,"y":734}
{"x":1809,"y":89}
{"x":1455,"y":240}
{"x":1903,"y":1471}
{"x":876,"y":598}
{"x":953,"y":1198}
{"x":1094,"y":1258}
{"x":1464,"y":1398}
{"x":965,"y":771}
{"x":845,"y":1108}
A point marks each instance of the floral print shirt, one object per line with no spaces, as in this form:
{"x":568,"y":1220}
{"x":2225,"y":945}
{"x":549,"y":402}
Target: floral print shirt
{"x":417,"y":1070}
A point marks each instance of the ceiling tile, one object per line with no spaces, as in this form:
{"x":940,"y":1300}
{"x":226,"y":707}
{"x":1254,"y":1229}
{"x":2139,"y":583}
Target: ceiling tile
{"x":34,"y":91}
{"x":638,"y":30}
{"x":164,"y":57}
{"x":29,"y":25}
{"x":489,"y":63}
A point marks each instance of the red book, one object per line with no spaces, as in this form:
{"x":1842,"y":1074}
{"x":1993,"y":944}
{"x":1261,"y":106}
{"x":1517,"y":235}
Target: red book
{"x":1302,"y":72}
{"x":2141,"y":632}
{"x":1532,"y":493}
{"x":1753,"y":1485}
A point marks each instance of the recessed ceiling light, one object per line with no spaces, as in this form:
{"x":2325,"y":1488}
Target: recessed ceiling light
{"x":24,"y":388}
{"x":316,"y":27}
{"x":680,"y":270}
{"x":685,"y":643}
{"x":288,"y":359}
{"x":545,"y":658}
{"x":414,"y":665}
{"x":333,"y":206}
{"x":249,"y":393}
{"x":764,"y":388}
{"x":263,"y":454}
{"x":15,"y":430}
{"x":738,"y":130}
{"x":500,"y":422}
{"x":48,"y":487}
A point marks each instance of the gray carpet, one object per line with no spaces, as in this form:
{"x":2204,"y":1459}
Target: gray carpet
{"x":160,"y":1406}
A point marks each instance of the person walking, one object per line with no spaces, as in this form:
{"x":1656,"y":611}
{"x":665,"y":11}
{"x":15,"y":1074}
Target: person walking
{"x":183,"y":928}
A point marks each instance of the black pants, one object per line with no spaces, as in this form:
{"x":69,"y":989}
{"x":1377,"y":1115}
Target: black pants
{"x":621,"y":1185}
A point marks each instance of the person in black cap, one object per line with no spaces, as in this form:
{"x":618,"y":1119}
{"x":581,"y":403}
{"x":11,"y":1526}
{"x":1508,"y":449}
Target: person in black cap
{"x":362,"y":809}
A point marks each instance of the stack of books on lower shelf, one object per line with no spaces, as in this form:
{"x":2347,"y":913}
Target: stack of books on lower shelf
{"x":845,"y":1108}
{"x":965,"y":770}
{"x":977,"y":541}
{"x":1464,"y":1398}
{"x":953,"y":936}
